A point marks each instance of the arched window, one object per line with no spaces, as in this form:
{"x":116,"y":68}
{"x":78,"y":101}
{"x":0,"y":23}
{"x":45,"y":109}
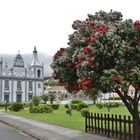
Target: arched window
{"x":38,"y":73}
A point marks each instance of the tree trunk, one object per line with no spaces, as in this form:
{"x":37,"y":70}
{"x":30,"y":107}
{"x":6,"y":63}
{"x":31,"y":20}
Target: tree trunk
{"x":136,"y":127}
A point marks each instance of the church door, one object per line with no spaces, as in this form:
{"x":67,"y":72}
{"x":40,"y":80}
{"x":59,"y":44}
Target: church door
{"x":18,"y":97}
{"x":6,"y":98}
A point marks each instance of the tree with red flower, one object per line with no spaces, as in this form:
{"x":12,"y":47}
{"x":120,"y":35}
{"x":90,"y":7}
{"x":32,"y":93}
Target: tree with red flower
{"x":105,"y":53}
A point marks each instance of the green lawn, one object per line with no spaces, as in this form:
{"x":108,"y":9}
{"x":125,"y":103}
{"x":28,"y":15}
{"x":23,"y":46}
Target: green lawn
{"x":60,"y":118}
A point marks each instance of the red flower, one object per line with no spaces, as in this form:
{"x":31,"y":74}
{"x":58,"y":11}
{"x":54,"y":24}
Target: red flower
{"x":69,"y":65}
{"x":87,"y":49}
{"x":83,"y":29}
{"x":125,"y":47}
{"x":88,"y":83}
{"x":116,"y":78}
{"x":137,"y":41}
{"x":80,"y":59}
{"x":78,"y":66}
{"x":137,"y":25}
{"x":90,"y":60}
{"x":93,"y":39}
{"x":92,"y":29}
{"x":93,"y":52}
{"x":86,"y":40}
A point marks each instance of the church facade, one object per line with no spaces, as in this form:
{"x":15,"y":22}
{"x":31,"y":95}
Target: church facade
{"x":20,"y":83}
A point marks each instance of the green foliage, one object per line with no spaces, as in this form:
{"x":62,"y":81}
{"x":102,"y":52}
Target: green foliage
{"x":66,"y":105}
{"x":34,"y":110}
{"x":100,"y":105}
{"x":41,"y":109}
{"x":35,"y":100}
{"x":48,"y":109}
{"x":109,"y":104}
{"x":84,"y":111}
{"x":74,"y":106}
{"x":52,"y":96}
{"x":81,"y":105}
{"x":76,"y":101}
{"x":26,"y":105}
{"x":16,"y":106}
{"x":3,"y":105}
{"x":54,"y":106}
{"x":44,"y":98}
{"x":112,"y":104}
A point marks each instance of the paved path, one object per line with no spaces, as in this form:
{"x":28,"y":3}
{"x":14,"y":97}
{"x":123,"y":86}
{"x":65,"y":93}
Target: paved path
{"x":9,"y":133}
{"x":43,"y":131}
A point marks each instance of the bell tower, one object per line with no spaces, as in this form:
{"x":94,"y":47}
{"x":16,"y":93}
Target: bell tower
{"x":38,"y":73}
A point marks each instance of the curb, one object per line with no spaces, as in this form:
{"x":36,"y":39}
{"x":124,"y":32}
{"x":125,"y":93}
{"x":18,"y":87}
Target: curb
{"x":22,"y":130}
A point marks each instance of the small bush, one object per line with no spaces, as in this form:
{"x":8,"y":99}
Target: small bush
{"x":16,"y":107}
{"x":74,"y":106}
{"x":48,"y":109}
{"x":3,"y":105}
{"x":100,"y":105}
{"x":35,"y":100}
{"x":112,"y":104}
{"x":26,"y":105}
{"x":66,"y":105}
{"x":34,"y":110}
{"x":81,"y":105}
{"x":76,"y":101}
{"x":84,"y":111}
{"x":41,"y":109}
{"x":55,"y":106}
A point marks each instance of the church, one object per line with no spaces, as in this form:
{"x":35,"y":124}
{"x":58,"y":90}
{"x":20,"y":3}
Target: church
{"x":19,"y":83}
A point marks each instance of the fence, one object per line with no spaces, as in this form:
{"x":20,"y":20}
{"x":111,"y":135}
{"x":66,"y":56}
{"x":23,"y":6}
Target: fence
{"x":110,"y":125}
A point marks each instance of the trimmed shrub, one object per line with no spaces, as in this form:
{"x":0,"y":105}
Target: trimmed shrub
{"x":74,"y":106}
{"x":112,"y":104}
{"x":100,"y":105}
{"x":3,"y":105}
{"x":81,"y":105}
{"x":34,"y":110}
{"x":48,"y":109}
{"x":66,"y":105}
{"x":16,"y":107}
{"x":26,"y":105}
{"x":84,"y":111}
{"x":35,"y":100}
{"x":76,"y":101}
{"x":41,"y":109}
{"x":54,"y":106}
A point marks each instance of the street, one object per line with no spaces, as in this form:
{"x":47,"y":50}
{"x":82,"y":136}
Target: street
{"x":9,"y":133}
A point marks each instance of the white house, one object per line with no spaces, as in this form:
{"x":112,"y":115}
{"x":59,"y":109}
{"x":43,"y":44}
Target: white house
{"x":19,"y":83}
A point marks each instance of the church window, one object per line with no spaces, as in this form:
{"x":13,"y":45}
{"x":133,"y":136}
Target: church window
{"x":38,"y":73}
{"x":19,"y":85}
{"x":6,"y":85}
{"x":39,"y":85}
{"x":30,"y":86}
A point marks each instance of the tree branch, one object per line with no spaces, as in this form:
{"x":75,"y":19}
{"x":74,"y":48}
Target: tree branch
{"x":128,"y":105}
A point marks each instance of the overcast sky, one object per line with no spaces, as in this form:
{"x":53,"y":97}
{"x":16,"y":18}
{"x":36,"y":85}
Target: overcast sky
{"x":47,"y":23}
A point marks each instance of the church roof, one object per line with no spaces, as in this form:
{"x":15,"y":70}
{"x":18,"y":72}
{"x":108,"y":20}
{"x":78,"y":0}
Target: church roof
{"x":18,"y":61}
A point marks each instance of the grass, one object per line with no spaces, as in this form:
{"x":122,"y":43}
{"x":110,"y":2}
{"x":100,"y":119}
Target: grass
{"x":60,"y":118}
